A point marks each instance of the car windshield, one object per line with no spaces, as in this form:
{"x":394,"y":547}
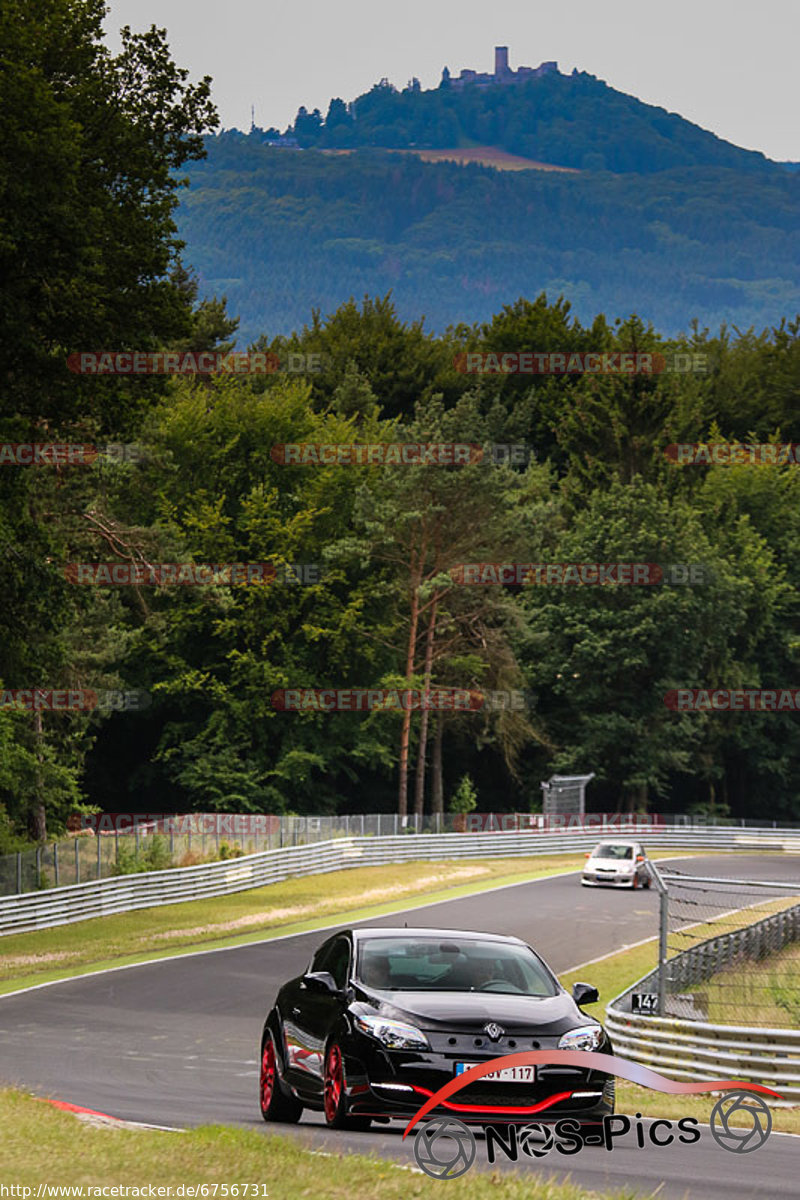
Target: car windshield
{"x":613,"y":852}
{"x":462,"y":965}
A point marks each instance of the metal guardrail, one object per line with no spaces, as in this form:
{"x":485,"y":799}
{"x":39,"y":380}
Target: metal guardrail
{"x":700,"y":1050}
{"x":79,"y":902}
{"x":196,"y":837}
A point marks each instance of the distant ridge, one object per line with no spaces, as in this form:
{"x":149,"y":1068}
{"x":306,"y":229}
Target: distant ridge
{"x":534,"y":113}
{"x":460,"y":199}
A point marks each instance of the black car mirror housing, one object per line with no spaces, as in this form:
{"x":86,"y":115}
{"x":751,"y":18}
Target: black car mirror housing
{"x":321,"y":981}
{"x":584,"y":993}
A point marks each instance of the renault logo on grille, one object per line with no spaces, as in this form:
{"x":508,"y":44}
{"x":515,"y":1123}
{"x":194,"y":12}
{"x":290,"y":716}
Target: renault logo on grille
{"x":495,"y":1032}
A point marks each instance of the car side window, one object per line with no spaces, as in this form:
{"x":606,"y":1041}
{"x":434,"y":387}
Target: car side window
{"x":321,"y":960}
{"x":340,"y":961}
{"x":333,"y":957}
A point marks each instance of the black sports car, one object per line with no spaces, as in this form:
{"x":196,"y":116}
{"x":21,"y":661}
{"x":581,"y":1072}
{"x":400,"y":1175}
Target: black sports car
{"x":383,"y":1018}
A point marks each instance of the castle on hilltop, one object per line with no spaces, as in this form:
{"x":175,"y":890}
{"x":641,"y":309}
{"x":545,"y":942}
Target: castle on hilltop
{"x":502,"y":72}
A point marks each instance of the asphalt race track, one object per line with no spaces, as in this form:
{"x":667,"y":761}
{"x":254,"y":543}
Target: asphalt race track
{"x":176,"y":1042}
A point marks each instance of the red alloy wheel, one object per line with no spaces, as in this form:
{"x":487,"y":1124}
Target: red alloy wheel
{"x":334,"y":1083}
{"x":276,"y":1102}
{"x":267,"y":1074}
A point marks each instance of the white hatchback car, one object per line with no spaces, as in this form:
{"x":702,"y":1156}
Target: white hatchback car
{"x":619,"y":863}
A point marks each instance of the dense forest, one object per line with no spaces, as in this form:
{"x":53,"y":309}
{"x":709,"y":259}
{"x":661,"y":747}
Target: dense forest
{"x":383,"y":603}
{"x":280,"y":231}
{"x":570,"y":120}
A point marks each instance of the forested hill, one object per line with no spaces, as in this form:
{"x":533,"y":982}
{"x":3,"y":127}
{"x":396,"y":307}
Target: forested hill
{"x":569,"y":120}
{"x":283,"y":231}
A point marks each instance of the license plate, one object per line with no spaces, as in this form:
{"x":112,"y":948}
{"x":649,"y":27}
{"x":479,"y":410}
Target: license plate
{"x":523,"y":1074}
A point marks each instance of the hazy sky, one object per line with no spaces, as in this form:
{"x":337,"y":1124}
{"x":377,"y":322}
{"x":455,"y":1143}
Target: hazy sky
{"x":728,"y":65}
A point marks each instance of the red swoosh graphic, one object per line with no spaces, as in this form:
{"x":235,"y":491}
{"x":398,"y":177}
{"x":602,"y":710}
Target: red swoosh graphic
{"x":526,"y":1109}
{"x":609,"y":1064}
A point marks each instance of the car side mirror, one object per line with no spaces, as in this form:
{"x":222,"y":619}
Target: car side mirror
{"x":588,"y":854}
{"x":584,"y":993}
{"x":640,"y":858}
{"x":321,"y":982}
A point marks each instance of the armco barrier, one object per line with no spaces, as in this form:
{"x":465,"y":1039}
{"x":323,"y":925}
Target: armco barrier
{"x":698,"y":1049}
{"x":78,"y":902}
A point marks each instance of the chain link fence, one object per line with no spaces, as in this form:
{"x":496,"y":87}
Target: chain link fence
{"x":166,"y":842}
{"x":729,"y":951}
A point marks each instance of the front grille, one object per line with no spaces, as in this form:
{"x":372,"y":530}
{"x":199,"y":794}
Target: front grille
{"x":467,"y":1044}
{"x":505,"y":1094}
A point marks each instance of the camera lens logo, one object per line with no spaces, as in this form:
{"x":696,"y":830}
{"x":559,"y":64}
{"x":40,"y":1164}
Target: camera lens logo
{"x":536,"y":1140}
{"x":752,"y":1130}
{"x":444,"y":1148}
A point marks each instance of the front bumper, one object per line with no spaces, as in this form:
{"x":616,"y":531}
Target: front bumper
{"x":396,"y":1084}
{"x":593,"y":880}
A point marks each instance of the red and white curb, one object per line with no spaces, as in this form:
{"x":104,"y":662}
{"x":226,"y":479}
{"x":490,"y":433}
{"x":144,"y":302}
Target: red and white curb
{"x":104,"y":1120}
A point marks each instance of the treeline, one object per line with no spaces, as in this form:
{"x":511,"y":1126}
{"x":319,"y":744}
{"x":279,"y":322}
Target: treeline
{"x":282,"y":231}
{"x":385,"y":607}
{"x":382,"y":604}
{"x":571,"y":120}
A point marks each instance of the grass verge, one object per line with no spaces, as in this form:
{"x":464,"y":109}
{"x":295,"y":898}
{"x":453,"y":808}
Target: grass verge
{"x":281,"y":1167}
{"x":612,"y":975}
{"x":765,"y":993}
{"x":292,"y":906}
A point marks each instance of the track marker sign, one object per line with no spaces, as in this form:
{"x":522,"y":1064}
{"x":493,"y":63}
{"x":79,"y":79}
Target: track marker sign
{"x":644,"y":1003}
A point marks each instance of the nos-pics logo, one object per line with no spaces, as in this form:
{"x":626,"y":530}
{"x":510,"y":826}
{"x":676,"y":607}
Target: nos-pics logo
{"x":445,"y":1148}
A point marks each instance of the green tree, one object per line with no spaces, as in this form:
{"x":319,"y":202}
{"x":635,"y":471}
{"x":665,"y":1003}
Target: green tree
{"x":608,"y":655}
{"x":465,"y":797}
{"x":89,"y":146}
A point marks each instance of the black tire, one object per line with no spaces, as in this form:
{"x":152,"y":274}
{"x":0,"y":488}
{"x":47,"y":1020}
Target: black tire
{"x":275,"y":1104}
{"x":334,"y":1098}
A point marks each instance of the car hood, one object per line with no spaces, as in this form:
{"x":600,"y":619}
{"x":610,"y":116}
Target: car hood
{"x":467,"y":1012}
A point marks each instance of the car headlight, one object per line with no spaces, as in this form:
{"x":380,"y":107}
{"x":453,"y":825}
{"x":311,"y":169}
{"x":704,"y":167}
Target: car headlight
{"x":585,"y":1037}
{"x":395,"y":1035}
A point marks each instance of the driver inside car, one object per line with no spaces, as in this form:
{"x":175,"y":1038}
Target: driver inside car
{"x":468,"y":974}
{"x":482,"y":972}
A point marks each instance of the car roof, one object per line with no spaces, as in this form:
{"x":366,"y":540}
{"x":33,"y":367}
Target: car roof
{"x":418,"y":933}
